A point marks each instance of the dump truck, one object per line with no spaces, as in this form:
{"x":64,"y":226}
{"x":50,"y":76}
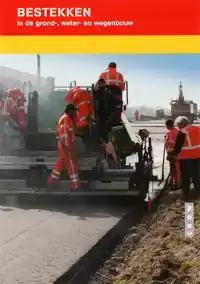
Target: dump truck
{"x":182,"y":107}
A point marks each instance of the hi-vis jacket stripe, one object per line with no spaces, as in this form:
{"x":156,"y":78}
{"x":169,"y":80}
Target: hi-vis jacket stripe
{"x":170,"y":139}
{"x":188,"y":139}
{"x":83,"y":102}
{"x":117,"y":81}
{"x":65,"y":130}
{"x":14,"y":104}
{"x":170,"y":142}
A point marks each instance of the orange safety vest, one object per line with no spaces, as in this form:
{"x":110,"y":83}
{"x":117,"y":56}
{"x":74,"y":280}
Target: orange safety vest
{"x":69,"y":99}
{"x":65,"y":131}
{"x":70,"y":94}
{"x":191,"y":146}
{"x":112,"y":77}
{"x":13,"y":106}
{"x":82,"y":100}
{"x":170,"y":139}
{"x":137,"y":113}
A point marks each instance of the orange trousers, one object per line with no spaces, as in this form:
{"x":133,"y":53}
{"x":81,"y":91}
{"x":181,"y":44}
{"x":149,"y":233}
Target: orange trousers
{"x":175,"y":172}
{"x":66,"y":160}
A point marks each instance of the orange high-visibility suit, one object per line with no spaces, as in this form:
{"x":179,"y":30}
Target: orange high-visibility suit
{"x":170,"y":140}
{"x":83,"y":101}
{"x":13,"y":108}
{"x":70,"y":94}
{"x":137,"y":115}
{"x":65,"y":137}
{"x":191,"y":146}
{"x":114,"y":78}
{"x":69,"y":100}
{"x":188,"y":150}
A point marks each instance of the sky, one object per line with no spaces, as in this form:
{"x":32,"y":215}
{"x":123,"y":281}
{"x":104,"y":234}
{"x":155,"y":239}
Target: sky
{"x":153,"y":79}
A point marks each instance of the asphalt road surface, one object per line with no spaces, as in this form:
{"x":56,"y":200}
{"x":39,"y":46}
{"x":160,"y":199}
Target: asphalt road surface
{"x":39,"y":245}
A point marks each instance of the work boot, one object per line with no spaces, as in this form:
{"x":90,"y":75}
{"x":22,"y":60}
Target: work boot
{"x":52,"y":183}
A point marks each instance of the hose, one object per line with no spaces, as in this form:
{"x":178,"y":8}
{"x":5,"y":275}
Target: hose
{"x":163,"y":164}
{"x":163,"y":167}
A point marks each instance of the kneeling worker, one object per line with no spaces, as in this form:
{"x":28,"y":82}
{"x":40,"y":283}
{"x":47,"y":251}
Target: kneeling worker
{"x":66,"y":148}
{"x":170,"y":139}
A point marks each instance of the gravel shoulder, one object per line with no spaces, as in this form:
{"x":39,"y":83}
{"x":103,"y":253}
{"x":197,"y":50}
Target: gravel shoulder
{"x":156,"y":251}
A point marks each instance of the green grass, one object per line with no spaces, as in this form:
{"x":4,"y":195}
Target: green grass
{"x":197,"y":216}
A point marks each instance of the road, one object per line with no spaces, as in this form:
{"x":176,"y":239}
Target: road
{"x":38,"y":245}
{"x":156,"y":128}
{"x":161,"y":121}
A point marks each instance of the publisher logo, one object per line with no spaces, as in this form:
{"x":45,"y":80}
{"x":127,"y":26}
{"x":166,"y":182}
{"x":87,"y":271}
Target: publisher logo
{"x":189,"y":220}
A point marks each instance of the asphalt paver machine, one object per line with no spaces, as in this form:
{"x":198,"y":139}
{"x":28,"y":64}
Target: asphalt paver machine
{"x":26,"y":170}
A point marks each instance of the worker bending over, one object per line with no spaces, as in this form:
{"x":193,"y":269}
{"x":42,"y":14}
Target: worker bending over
{"x":66,"y":149}
{"x":70,"y":94}
{"x":13,"y":113}
{"x":187,"y":152}
{"x":82,"y":100}
{"x":170,"y":139}
{"x":114,"y":80}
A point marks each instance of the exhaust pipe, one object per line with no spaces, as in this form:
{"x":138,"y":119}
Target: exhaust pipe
{"x":38,"y":72}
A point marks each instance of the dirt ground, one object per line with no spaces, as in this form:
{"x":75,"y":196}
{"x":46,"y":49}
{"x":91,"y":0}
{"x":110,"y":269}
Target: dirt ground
{"x":162,"y":254}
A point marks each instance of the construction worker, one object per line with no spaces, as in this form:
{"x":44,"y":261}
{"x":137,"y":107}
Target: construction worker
{"x":70,"y":94}
{"x":13,"y":113}
{"x":170,"y":139}
{"x":187,"y":152}
{"x":115,"y":81}
{"x":66,"y":149}
{"x":104,"y":109}
{"x":69,"y":100}
{"x":83,"y":101}
{"x":137,"y":114}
